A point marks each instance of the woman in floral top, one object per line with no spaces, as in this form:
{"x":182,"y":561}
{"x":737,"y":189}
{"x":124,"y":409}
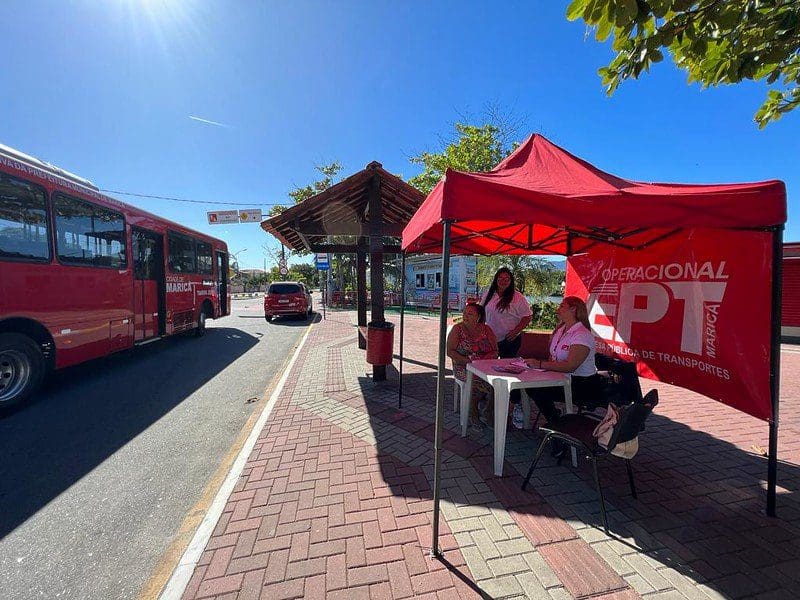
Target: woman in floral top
{"x":470,"y":340}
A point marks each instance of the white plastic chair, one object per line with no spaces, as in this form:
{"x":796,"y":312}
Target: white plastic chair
{"x":458,"y":386}
{"x":458,"y":389}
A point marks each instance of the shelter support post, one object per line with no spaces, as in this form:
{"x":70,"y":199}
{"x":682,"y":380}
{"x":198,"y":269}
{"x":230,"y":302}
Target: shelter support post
{"x":402,"y":319}
{"x":376,"y":263}
{"x":437,"y":449}
{"x":775,"y":367}
{"x":361,"y":289}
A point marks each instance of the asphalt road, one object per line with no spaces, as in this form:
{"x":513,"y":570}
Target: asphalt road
{"x":98,"y":473}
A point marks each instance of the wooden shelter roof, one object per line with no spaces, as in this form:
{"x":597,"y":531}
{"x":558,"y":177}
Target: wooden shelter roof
{"x":343,"y":209}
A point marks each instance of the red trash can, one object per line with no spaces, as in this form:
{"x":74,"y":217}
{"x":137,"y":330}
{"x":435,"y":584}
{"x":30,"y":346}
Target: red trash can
{"x":380,"y":343}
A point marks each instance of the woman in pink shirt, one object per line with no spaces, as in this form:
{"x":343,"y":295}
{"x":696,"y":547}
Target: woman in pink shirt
{"x":469,"y":340}
{"x":571,"y":351}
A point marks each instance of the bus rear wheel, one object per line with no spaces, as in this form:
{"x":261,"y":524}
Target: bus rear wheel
{"x":22,"y":368}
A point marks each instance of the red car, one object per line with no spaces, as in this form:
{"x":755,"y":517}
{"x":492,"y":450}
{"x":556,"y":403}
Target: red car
{"x":287,"y":298}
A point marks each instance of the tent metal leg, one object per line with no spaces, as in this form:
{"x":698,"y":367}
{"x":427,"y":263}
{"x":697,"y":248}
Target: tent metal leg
{"x":402,"y":319}
{"x":437,"y":449}
{"x":775,"y":367}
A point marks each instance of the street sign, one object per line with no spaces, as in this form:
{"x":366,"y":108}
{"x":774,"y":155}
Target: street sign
{"x":223,"y":216}
{"x":252,"y":215}
{"x":322,"y":261}
{"x":284,"y":271}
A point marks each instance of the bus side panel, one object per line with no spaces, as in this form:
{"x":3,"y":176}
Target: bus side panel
{"x":34,"y":280}
{"x":90,"y":312}
{"x":182,"y":301}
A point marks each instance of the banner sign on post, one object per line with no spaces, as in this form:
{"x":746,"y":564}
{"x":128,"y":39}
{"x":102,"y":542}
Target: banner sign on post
{"x":223,"y":216}
{"x":691,"y":310}
{"x":252,"y":215}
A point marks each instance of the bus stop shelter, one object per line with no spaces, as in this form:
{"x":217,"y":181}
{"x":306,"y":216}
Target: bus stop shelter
{"x":363,"y":214}
{"x":684,"y":279}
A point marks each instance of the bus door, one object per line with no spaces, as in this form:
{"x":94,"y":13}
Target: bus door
{"x":222,"y":282}
{"x":149,"y":284}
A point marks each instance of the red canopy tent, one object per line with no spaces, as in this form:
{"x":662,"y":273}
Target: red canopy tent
{"x":543,"y":200}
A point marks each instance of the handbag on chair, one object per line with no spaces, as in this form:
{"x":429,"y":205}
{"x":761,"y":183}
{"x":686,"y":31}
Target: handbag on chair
{"x":605,"y":430}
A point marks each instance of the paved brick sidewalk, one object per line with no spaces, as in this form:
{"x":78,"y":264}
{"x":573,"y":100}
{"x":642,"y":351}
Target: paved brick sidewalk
{"x":335,"y":499}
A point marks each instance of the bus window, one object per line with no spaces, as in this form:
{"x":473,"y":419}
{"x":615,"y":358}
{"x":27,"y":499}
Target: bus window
{"x":205,"y":263}
{"x":87,"y":234}
{"x":181,"y":253}
{"x":24,"y":230}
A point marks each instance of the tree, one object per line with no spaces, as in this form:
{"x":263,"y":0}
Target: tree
{"x":298,"y":194}
{"x":533,"y":275}
{"x":716,"y":42}
{"x":233,"y":267}
{"x":329,"y":173}
{"x":475,"y":148}
{"x":305,"y":273}
{"x":480,"y":148}
{"x":255,"y":282}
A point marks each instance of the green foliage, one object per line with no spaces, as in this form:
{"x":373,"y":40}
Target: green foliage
{"x":544,"y":315}
{"x":304,"y":273}
{"x":475,"y":148}
{"x":533,"y":275}
{"x":329,"y":173}
{"x":544,"y":280}
{"x":716,"y":42}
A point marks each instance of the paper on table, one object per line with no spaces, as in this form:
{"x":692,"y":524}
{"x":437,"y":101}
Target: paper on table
{"x":510,"y":368}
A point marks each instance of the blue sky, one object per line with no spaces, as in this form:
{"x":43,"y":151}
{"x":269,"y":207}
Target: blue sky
{"x":106,"y":90}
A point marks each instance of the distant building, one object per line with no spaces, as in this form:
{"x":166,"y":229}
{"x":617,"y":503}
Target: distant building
{"x":252,"y":272}
{"x":424,"y":279}
{"x":790,"y":314}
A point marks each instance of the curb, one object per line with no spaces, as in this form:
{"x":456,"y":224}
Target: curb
{"x":176,"y":585}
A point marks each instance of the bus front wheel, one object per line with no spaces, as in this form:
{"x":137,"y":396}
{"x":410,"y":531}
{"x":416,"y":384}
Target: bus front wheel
{"x":22,"y":368}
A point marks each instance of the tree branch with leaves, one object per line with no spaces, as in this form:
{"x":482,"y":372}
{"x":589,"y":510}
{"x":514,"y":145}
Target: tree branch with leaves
{"x":717,"y":42}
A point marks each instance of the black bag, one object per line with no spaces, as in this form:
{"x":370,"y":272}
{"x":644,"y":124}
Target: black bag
{"x":621,"y":385}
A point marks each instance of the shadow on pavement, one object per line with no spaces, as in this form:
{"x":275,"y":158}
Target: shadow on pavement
{"x":84,"y":414}
{"x":287,"y":320}
{"x":701,"y":499}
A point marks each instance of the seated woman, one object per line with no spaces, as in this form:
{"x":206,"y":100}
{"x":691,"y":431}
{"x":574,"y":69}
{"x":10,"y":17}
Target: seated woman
{"x":470,"y":340}
{"x":571,"y":351}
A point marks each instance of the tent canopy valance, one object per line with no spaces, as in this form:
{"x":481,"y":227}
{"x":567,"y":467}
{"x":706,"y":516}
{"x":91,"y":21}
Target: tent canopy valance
{"x":543,"y":200}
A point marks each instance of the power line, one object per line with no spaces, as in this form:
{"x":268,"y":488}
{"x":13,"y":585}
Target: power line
{"x":250,"y":204}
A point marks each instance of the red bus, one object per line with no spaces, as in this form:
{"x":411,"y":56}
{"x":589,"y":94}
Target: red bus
{"x":83,"y":275}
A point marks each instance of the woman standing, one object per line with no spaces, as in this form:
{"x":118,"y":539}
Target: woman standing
{"x":507,"y":312}
{"x":571,"y":351}
{"x":469,"y":340}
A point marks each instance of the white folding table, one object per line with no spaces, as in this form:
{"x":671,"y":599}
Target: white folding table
{"x":503,"y":383}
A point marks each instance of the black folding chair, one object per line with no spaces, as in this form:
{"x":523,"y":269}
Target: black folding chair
{"x":619,"y":386}
{"x":622,"y":381}
{"x":576,"y":431}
